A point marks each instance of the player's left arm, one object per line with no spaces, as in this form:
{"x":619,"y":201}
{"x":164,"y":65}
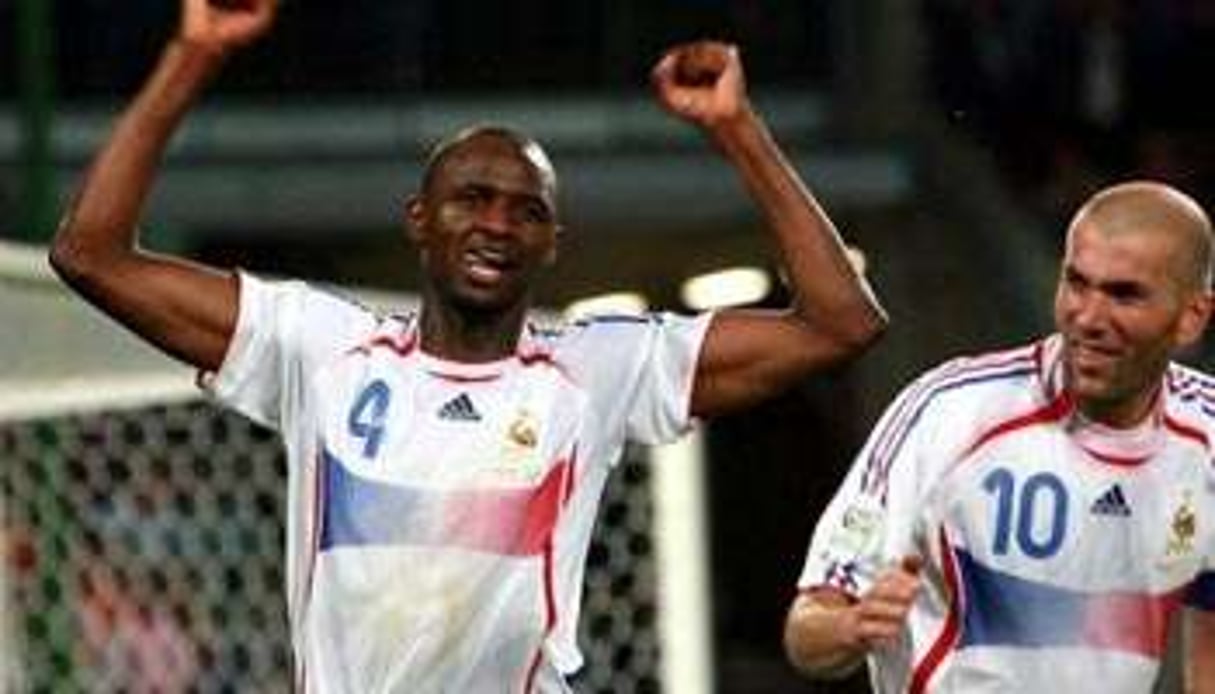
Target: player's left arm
{"x":1200,"y":661}
{"x":749,"y":355}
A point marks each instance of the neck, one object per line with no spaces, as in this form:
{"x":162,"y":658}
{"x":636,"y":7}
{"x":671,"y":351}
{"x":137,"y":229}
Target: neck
{"x":465,"y":335}
{"x":1124,"y":414}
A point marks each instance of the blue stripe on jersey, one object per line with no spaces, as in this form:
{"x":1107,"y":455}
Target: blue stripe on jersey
{"x":514,"y":521}
{"x":878,"y":468}
{"x":608,"y":318}
{"x":1188,"y":385}
{"x":360,"y":511}
{"x":1005,"y":610}
{"x":1202,"y":592}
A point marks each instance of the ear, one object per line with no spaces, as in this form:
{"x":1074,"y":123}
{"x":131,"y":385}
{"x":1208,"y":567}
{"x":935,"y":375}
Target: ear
{"x":1194,"y":318}
{"x":551,"y":257}
{"x":415,"y":217}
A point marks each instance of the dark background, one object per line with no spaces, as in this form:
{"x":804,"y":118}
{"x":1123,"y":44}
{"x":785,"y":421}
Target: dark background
{"x":1003,"y":115}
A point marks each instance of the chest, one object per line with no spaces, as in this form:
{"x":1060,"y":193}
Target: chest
{"x":403,"y":423}
{"x":1040,"y":507}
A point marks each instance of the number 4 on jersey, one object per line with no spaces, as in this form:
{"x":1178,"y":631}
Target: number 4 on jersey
{"x":366,"y":420}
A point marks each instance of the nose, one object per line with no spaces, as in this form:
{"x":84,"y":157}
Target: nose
{"x":1088,"y":311}
{"x":495,"y":215}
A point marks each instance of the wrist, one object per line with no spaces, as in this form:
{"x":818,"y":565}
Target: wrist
{"x":823,"y":637}
{"x":196,"y":56}
{"x":735,"y":126}
{"x":183,"y":71}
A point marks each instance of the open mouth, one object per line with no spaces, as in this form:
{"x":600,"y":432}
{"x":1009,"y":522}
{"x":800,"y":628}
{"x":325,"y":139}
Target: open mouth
{"x":487,"y":265}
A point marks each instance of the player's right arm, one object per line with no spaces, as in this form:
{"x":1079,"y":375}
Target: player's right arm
{"x":828,"y":633}
{"x":185,"y":309}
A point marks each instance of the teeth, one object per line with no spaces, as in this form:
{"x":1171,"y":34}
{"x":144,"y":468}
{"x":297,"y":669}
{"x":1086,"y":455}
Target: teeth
{"x":488,"y":256}
{"x":485,"y":265}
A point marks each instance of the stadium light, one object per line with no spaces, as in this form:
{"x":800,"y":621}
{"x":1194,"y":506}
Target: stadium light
{"x":730,"y":287}
{"x":631,"y":303}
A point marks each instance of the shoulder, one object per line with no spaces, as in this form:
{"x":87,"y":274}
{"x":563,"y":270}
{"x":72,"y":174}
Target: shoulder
{"x":1190,"y":385}
{"x":614,"y":331}
{"x":943,"y":413}
{"x":1190,"y":400}
{"x":298,"y":293}
{"x":991,"y":382}
{"x":311,"y":312}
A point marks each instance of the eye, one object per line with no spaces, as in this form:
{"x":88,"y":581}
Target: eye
{"x":1074,"y":281}
{"x":535,"y":213}
{"x":472,"y":194}
{"x":1126,"y":292}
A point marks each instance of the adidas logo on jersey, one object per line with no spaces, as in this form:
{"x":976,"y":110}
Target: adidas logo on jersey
{"x":460,"y":409}
{"x":1111,"y":503}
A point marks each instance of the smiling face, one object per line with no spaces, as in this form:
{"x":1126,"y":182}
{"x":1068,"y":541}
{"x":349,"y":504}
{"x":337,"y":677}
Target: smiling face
{"x":1132,"y":290}
{"x":485,"y":222}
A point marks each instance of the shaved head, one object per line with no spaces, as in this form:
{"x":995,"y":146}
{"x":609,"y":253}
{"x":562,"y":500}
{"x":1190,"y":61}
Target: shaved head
{"x":1134,"y":288}
{"x":527,"y":147}
{"x":1145,"y":207}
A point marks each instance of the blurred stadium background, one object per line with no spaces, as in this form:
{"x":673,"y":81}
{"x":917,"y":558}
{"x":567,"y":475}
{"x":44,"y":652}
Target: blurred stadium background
{"x":949,"y":138}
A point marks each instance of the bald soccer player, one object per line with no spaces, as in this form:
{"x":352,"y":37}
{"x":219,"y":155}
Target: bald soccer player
{"x":1035,"y":520}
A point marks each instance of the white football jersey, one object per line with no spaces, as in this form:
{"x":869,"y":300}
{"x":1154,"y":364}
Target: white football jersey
{"x":1057,"y":551}
{"x":439,"y":513}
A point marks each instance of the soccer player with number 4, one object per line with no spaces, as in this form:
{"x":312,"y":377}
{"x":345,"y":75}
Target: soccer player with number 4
{"x":444,"y":466}
{"x":1035,"y":520}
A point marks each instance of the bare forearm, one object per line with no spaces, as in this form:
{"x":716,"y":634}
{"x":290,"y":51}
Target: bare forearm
{"x":183,"y":308}
{"x":816,"y":640}
{"x":186,"y":309}
{"x":828,"y":291}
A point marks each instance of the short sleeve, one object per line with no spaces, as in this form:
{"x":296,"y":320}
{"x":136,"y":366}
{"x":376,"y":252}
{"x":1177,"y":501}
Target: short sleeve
{"x":637,"y":371}
{"x":284,"y":330}
{"x":871,"y":520}
{"x":662,"y":398}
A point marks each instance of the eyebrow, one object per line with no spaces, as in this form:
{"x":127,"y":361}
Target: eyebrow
{"x":516,"y":194}
{"x":1118,"y":286}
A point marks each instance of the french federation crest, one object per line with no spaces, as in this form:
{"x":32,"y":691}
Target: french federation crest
{"x":522,"y":431}
{"x":1182,"y":529}
{"x":519,"y":456}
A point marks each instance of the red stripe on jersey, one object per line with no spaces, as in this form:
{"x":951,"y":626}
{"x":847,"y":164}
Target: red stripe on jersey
{"x":950,"y":630}
{"x":1053,"y":411}
{"x":457,"y":378}
{"x":550,"y":599}
{"x":571,"y":475}
{"x":541,"y":514}
{"x":1186,"y":431}
{"x":401,"y":344}
{"x":550,"y":616}
{"x":1120,"y":461}
{"x":515,"y":522}
{"x":534,"y":358}
{"x":1133,"y":623}
{"x":313,"y":536}
{"x":531,"y":358}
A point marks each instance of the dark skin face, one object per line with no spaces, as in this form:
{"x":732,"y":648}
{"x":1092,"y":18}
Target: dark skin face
{"x":485,"y":228}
